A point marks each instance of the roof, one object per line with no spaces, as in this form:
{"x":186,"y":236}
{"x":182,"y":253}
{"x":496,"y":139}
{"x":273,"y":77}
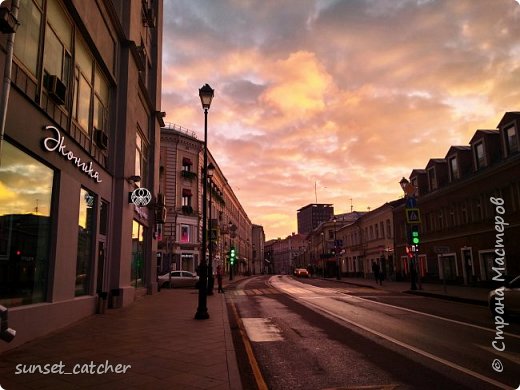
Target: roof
{"x":509,"y":117}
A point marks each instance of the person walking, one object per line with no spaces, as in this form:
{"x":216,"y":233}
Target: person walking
{"x":219,"y":279}
{"x":375,"y":270}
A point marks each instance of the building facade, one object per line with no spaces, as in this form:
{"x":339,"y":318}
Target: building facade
{"x":180,"y":169}
{"x":310,"y":216}
{"x":469,"y":203}
{"x":82,"y":128}
{"x":258,"y":265}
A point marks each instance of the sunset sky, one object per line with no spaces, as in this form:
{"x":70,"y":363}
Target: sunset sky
{"x":350,"y":94}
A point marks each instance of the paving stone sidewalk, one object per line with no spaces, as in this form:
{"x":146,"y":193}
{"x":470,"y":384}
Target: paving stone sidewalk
{"x":156,"y":339}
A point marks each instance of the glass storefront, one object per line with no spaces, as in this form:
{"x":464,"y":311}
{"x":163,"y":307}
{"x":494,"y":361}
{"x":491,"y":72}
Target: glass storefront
{"x":87,"y":203}
{"x":137,"y":269}
{"x":25,"y":220}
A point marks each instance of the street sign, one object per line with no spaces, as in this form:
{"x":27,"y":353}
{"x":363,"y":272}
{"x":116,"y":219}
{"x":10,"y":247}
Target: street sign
{"x":413,"y":216}
{"x":411,"y":203}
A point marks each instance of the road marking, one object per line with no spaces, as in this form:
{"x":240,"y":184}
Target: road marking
{"x":413,"y":349}
{"x":433,"y":316}
{"x":260,"y":382}
{"x":455,"y":366}
{"x":261,"y":330}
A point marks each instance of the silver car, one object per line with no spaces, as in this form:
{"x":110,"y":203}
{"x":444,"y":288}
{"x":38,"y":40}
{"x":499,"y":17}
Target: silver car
{"x":506,"y":298}
{"x":178,"y":279}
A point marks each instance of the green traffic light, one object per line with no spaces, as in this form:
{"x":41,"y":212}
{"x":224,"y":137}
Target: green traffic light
{"x":415,"y":238}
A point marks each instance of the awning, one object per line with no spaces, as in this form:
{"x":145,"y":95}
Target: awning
{"x":186,"y":161}
{"x":186,"y":192}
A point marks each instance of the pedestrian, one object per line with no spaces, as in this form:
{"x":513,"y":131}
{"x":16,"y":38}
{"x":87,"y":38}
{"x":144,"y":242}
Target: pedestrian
{"x":219,"y":279}
{"x":375,"y":270}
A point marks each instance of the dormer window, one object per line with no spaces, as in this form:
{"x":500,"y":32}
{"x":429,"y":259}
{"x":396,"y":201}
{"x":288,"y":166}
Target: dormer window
{"x":454,"y":168}
{"x":480,"y":158}
{"x":511,"y":140}
{"x":431,"y":179}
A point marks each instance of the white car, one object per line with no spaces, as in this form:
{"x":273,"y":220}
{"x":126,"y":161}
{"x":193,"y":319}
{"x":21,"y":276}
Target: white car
{"x":178,"y":279}
{"x":510,"y":303}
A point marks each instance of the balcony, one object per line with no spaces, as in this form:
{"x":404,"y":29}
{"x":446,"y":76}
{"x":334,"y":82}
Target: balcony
{"x":187,"y":210}
{"x":188,"y":175}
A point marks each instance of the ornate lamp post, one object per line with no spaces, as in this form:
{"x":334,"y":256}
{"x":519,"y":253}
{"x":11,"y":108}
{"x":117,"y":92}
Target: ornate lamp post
{"x":211,"y":279}
{"x":206,"y":94}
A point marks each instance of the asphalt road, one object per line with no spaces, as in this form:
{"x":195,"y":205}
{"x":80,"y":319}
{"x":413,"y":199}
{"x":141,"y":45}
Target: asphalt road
{"x":315,"y":334}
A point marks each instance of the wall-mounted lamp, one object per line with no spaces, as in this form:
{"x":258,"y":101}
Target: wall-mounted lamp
{"x":134,"y":179}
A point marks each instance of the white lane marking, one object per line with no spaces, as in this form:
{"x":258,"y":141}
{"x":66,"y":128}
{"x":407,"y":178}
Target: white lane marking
{"x":412,"y":348}
{"x":261,"y":330}
{"x":515,"y":358}
{"x":354,"y":297}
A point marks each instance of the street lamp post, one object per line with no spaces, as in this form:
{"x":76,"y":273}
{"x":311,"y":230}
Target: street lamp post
{"x":206,"y":94}
{"x":323,"y":253}
{"x":211,"y":279}
{"x":230,"y":226}
{"x":338,"y":273}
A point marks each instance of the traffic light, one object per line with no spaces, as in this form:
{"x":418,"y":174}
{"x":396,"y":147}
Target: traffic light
{"x":232,"y":256}
{"x":415,"y":235}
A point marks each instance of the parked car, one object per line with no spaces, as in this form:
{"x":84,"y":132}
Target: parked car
{"x":301,"y":273}
{"x":511,"y":301}
{"x":178,"y":279}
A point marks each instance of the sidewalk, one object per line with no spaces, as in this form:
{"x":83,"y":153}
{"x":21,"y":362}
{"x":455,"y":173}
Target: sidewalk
{"x":156,"y":341}
{"x":473,"y":295}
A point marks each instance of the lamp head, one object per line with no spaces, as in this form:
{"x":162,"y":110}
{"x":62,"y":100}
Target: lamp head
{"x":206,"y":94}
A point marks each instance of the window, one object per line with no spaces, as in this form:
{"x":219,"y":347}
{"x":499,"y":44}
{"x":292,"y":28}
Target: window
{"x":377,"y":231}
{"x":103,"y":218}
{"x":511,"y":140}
{"x":186,"y":197}
{"x":186,"y":164}
{"x":137,"y":268}
{"x":58,"y":43}
{"x":431,"y":179}
{"x":87,"y":202}
{"x":141,"y":153}
{"x":28,"y":34}
{"x":388,"y":229}
{"x":480,"y":158}
{"x":185,"y":233}
{"x":454,"y":168}
{"x":91,"y":91}
{"x":25,"y":225}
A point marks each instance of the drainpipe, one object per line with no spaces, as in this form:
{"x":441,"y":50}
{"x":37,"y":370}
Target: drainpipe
{"x":13,"y":13}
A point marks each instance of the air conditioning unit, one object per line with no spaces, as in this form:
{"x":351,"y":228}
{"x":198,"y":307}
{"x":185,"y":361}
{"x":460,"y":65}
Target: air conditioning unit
{"x":56,"y":89}
{"x":101,"y":138}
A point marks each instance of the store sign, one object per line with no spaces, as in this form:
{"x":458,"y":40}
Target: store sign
{"x":56,"y":144}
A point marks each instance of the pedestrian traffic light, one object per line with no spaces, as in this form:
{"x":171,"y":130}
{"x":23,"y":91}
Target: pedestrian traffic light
{"x":415,"y":235}
{"x":232,"y":256}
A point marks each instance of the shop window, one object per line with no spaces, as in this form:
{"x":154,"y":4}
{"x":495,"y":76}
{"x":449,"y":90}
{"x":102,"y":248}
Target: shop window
{"x":86,"y":223}
{"x":25,"y":224}
{"x":137,"y":268}
{"x":28,"y":34}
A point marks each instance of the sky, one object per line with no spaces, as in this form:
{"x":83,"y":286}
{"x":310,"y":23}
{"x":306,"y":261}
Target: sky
{"x":342,"y":96}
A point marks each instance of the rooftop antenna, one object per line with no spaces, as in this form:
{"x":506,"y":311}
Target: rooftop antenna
{"x":351,"y":207}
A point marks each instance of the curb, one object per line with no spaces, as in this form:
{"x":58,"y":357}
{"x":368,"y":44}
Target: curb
{"x":235,"y":383}
{"x":447,"y":297}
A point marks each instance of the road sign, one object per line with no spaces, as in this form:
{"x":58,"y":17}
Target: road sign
{"x":411,"y":203}
{"x":413,"y":216}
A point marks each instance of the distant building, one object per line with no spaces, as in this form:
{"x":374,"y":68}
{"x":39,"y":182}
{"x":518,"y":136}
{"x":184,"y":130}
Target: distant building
{"x":283,"y":253}
{"x":310,"y":216}
{"x":258,"y":237}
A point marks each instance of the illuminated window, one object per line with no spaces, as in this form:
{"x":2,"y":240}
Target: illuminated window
{"x":25,"y":225}
{"x":185,"y":233}
{"x":87,"y":203}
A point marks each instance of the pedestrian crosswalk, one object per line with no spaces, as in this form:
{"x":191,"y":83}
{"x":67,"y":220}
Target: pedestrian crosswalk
{"x":254,"y":291}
